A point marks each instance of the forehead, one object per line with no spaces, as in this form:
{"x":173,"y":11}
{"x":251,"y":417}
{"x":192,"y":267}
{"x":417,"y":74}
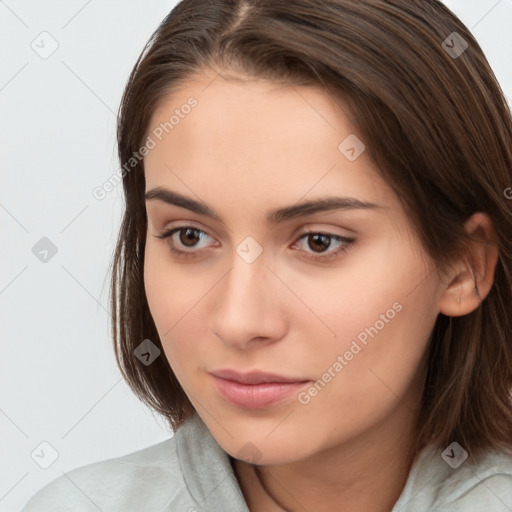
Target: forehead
{"x":247,"y":102}
{"x":269,"y":142}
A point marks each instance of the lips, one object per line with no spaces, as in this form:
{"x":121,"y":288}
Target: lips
{"x":256,"y":389}
{"x":254,"y":377}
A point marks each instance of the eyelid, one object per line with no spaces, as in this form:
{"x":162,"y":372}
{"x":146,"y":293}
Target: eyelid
{"x":328,"y":230}
{"x":299,"y":232}
{"x":170,"y":231}
{"x":184,"y":224}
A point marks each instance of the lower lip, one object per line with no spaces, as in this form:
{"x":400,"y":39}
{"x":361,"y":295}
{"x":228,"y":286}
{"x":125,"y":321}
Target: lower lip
{"x":256,"y":396}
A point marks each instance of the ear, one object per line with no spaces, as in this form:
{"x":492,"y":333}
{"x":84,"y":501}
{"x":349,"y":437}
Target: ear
{"x":472,"y":276}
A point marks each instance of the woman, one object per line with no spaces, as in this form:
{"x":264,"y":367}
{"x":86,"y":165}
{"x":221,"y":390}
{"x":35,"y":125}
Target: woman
{"x":312,"y":281}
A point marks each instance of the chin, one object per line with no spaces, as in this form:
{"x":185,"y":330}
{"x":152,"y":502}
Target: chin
{"x":267,"y":453}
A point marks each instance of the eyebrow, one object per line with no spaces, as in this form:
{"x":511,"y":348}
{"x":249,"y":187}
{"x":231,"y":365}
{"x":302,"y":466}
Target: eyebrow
{"x":274,"y":216}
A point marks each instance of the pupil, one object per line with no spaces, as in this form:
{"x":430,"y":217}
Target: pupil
{"x":188,"y":237}
{"x":320,"y":237}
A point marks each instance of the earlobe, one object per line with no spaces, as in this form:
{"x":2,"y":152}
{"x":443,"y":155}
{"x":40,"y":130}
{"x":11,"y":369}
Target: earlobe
{"x":473,"y":276}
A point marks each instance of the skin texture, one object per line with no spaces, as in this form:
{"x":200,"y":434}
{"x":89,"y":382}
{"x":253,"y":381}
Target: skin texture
{"x":247,"y":148}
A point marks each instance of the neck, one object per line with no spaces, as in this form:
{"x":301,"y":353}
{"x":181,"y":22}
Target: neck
{"x":365,"y":473}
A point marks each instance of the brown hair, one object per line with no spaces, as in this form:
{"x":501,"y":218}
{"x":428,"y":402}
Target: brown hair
{"x":436,"y":124}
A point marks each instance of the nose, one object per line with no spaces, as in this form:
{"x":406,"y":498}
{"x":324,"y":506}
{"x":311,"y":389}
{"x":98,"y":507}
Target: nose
{"x":248,"y":305}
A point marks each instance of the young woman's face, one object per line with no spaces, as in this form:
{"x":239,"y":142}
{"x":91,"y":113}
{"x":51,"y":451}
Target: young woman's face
{"x":350,"y":315}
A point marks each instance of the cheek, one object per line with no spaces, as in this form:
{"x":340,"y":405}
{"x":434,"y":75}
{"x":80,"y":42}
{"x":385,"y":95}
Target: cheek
{"x":170,"y":292}
{"x":156,"y":285}
{"x":174,"y":298}
{"x":382,"y":320}
{"x":361,"y":382}
{"x":163,"y":292}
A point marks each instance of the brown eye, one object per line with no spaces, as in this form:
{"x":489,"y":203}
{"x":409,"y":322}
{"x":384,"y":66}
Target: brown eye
{"x":189,"y":236}
{"x":319,"y":242}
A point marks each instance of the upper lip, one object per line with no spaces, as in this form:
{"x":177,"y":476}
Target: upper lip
{"x":254,"y":377}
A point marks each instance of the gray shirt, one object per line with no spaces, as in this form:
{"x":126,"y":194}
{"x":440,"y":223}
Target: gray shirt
{"x":190,"y":472}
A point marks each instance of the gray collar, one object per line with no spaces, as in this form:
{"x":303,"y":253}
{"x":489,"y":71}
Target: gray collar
{"x":207,"y":469}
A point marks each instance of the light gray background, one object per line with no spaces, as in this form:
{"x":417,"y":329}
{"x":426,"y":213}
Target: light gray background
{"x":59,"y":380}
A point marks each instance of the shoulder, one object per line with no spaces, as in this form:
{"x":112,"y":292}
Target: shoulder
{"x":482,"y":486}
{"x":186,"y":472}
{"x":438,"y":484}
{"x":147,"y":477}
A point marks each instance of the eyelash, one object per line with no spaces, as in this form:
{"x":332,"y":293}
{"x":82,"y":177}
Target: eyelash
{"x":348,"y":243}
